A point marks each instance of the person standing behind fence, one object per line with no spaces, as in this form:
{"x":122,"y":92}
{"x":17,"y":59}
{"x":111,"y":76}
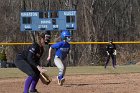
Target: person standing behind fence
{"x":28,"y":61}
{"x":62,"y":49}
{"x":111,"y":52}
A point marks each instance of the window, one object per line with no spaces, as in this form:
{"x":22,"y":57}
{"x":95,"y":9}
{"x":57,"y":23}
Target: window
{"x":70,"y":19}
{"x":26,"y":20}
{"x":43,"y":14}
{"x":54,"y":21}
{"x":54,"y":14}
{"x":40,"y":14}
{"x":46,"y":15}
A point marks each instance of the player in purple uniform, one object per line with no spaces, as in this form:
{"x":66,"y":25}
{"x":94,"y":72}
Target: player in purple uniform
{"x":62,"y":49}
{"x":111,"y":52}
{"x":28,"y":61}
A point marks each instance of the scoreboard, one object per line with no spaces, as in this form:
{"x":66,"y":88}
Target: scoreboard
{"x":48,"y":20}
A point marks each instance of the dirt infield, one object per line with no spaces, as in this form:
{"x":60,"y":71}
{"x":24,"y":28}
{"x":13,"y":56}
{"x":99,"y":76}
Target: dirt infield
{"x":107,"y":83}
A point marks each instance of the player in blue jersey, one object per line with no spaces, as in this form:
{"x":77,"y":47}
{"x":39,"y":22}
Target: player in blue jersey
{"x":28,"y":61}
{"x":62,"y":49}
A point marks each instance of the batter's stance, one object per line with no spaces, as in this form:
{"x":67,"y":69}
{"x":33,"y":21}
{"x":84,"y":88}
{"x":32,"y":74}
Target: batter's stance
{"x":28,"y":61}
{"x":111,"y":52}
{"x":62,"y":49}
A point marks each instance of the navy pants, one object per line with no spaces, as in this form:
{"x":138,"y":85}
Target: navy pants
{"x":32,"y":72}
{"x":24,"y":66}
{"x":113,"y":60}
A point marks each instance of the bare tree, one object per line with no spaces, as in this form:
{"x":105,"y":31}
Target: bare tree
{"x":97,"y":20}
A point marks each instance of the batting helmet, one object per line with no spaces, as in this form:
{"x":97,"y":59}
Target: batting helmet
{"x":65,"y":34}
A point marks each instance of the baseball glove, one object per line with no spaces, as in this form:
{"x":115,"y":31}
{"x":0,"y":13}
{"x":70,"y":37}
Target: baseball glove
{"x":45,"y":78}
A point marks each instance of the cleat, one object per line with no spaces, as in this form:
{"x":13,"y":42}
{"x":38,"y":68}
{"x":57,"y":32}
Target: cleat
{"x":60,"y":82}
{"x":35,"y":91}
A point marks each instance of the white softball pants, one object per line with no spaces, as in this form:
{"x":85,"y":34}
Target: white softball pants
{"x":61,"y":65}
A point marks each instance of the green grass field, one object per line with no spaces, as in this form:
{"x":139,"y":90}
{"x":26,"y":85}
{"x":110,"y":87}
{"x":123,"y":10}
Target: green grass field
{"x":52,"y":71}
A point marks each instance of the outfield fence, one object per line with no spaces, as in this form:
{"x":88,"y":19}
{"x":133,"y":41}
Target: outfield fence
{"x":77,"y":43}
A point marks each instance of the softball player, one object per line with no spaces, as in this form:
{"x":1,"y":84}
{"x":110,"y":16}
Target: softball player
{"x":28,"y":61}
{"x":62,"y":49}
{"x":111,"y":52}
